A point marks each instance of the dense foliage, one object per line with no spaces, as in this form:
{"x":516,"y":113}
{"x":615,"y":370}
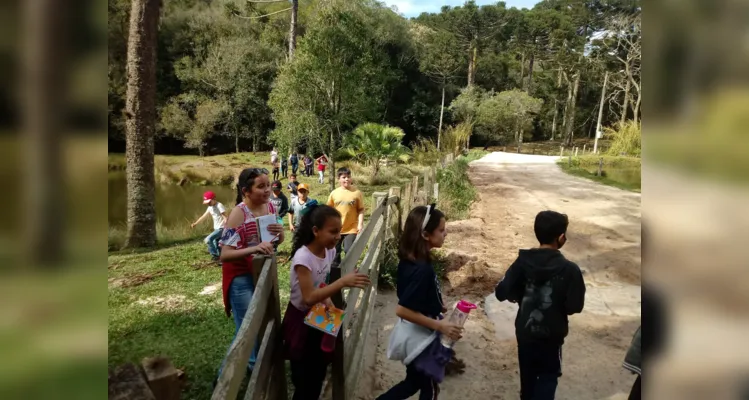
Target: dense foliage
{"x":226,"y":81}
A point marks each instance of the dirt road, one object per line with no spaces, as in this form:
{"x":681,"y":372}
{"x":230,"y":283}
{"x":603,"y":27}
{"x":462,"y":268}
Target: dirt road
{"x":604,"y":239}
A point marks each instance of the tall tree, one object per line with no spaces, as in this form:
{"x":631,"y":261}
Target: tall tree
{"x":140,"y":112}
{"x":472,"y":25}
{"x":438,"y":60}
{"x":507,"y":114}
{"x":334,"y":81}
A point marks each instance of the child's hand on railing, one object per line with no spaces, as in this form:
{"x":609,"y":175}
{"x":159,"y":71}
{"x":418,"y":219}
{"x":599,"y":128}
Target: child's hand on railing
{"x":355,"y":279}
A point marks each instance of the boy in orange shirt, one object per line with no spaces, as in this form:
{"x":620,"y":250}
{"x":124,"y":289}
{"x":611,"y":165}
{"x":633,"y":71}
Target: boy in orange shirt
{"x":350,"y":203}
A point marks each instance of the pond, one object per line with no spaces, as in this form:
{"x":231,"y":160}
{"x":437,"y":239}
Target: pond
{"x":627,"y":176}
{"x":176,"y":206}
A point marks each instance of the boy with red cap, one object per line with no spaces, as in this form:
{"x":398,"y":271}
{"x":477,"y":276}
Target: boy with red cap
{"x":218,"y":212}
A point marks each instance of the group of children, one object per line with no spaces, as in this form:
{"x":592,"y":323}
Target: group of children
{"x":547,"y":286}
{"x":281,"y":167}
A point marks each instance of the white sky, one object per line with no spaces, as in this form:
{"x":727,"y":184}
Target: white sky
{"x":412,"y":8}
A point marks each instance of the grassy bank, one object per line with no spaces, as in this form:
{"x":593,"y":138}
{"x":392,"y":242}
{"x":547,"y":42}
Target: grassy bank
{"x":621,"y":172}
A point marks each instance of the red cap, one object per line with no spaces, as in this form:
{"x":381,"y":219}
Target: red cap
{"x":208,"y":196}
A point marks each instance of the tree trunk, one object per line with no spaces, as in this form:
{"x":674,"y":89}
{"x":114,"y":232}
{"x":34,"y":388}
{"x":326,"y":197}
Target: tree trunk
{"x":625,"y":104}
{"x":236,"y":142}
{"x":530,"y":74}
{"x":331,"y":161}
{"x":636,"y":108}
{"x":140,"y":123}
{"x":571,"y":120}
{"x":472,"y":63}
{"x":255,"y":143}
{"x":442,"y":111}
{"x":43,"y":117}
{"x":522,"y":69}
{"x":556,"y":106}
{"x":292,"y":29}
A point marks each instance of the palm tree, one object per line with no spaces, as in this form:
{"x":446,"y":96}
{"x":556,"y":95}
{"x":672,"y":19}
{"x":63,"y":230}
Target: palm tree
{"x":140,"y":120}
{"x":373,"y":143}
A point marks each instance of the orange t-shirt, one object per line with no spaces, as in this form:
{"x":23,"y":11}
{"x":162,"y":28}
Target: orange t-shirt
{"x":350,"y":204}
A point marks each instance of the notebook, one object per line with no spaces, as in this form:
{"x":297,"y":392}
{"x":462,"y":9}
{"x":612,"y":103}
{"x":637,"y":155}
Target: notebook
{"x":262,"y":225}
{"x":326,"y":320}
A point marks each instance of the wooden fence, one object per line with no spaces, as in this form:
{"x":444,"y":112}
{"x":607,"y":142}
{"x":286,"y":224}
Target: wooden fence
{"x":263,"y":318}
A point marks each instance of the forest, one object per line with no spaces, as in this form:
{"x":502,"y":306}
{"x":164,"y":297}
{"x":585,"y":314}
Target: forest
{"x":236,"y":76}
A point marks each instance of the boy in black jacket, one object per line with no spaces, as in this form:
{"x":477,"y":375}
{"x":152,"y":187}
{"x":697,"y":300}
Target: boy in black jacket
{"x":548,"y":288}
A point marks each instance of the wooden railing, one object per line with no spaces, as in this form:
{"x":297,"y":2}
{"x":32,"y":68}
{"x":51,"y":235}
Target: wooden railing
{"x":263,"y":318}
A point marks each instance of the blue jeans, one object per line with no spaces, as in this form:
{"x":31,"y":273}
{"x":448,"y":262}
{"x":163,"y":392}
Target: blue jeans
{"x":540,"y":369}
{"x":240,"y":295}
{"x":212,"y":242}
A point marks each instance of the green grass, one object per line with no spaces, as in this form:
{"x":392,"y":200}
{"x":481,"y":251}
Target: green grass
{"x":166,"y":314}
{"x":618,"y":171}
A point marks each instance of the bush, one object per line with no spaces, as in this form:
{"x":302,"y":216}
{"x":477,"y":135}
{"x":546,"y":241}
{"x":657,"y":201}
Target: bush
{"x":456,"y":190}
{"x":626,"y":139}
{"x":425,"y":152}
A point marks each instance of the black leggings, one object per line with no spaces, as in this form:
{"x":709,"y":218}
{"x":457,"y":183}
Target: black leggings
{"x":415,"y":382}
{"x":308,"y":373}
{"x":636,"y":393}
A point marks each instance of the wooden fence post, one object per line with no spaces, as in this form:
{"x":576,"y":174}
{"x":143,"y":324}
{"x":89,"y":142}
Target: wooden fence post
{"x":427,"y":179}
{"x":561,"y":151}
{"x":396,"y":191}
{"x":414,"y":191}
{"x":436,"y":192}
{"x":337,"y":374}
{"x":600,"y":166}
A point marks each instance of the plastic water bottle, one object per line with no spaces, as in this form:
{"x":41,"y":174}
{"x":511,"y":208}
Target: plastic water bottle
{"x":458,"y":317}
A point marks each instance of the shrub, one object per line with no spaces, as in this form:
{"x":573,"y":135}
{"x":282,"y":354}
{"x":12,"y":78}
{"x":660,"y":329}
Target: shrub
{"x":626,"y":139}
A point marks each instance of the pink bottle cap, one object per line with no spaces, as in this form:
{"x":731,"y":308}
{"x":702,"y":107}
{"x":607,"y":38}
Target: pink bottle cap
{"x":466,"y":306}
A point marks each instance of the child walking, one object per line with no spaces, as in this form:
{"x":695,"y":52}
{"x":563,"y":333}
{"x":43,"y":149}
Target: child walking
{"x":308,"y":162}
{"x":350,"y":203}
{"x":419,"y":309}
{"x":218,"y":212}
{"x":285,"y":168}
{"x":312,"y":254}
{"x":240,"y":242}
{"x":322,"y":162}
{"x":548,"y":288}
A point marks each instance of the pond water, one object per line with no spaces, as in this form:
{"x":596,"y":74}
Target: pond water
{"x":175,"y":205}
{"x":629,"y":176}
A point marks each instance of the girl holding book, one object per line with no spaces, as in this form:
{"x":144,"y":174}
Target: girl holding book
{"x":312,"y":254}
{"x":240,"y":242}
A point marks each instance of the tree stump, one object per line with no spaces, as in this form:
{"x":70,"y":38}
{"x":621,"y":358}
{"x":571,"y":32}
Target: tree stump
{"x":127,"y":382}
{"x":163,"y":378}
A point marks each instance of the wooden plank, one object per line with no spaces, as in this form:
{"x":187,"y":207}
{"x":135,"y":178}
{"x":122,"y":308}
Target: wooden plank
{"x":337,"y":378}
{"x":239,"y":352}
{"x":352,"y":256}
{"x":258,"y":385}
{"x":356,"y":363}
{"x":278,"y":385}
{"x":374,"y":250}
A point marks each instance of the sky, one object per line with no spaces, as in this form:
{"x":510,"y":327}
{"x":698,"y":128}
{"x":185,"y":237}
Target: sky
{"x":412,"y":8}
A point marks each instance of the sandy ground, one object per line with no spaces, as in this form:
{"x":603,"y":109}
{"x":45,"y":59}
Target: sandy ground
{"x":604,"y":239}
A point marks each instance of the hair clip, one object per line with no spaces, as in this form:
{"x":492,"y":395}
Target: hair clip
{"x":430,"y":208}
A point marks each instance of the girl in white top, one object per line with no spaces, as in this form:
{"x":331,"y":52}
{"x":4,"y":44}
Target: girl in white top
{"x":312,"y":254}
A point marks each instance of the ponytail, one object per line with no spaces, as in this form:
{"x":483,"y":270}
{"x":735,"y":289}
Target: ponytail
{"x":316,"y":216}
{"x":239,"y":195}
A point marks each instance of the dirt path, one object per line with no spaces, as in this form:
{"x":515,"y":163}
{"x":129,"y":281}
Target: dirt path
{"x":604,"y":239}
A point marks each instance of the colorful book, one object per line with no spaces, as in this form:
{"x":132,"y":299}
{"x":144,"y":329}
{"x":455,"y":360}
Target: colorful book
{"x":328,"y":320}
